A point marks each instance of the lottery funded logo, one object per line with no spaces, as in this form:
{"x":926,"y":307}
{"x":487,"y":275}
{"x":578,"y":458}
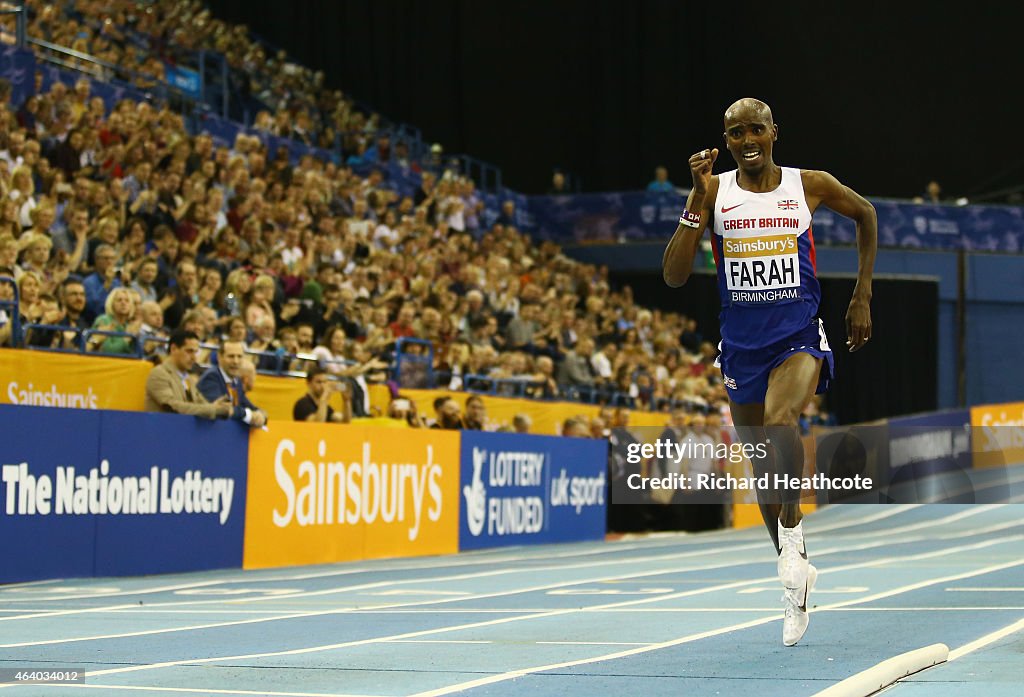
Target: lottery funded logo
{"x":509,"y":510}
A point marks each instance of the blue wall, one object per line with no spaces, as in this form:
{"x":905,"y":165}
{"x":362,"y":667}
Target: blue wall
{"x":995,"y":307}
{"x":113,"y":493}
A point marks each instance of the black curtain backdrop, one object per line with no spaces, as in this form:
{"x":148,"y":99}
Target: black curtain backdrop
{"x":884,"y":95}
{"x":895,"y":373}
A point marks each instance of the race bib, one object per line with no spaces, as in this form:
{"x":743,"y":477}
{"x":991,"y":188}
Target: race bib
{"x":763,"y":269}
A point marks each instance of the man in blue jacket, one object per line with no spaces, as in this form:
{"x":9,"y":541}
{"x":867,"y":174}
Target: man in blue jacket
{"x":224,"y":380}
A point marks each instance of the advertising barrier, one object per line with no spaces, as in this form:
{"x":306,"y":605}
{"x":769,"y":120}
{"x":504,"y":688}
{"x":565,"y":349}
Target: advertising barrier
{"x":998,"y":434}
{"x":39,"y":378}
{"x":632,"y":216}
{"x":929,"y":443}
{"x":325,"y":492}
{"x":531,"y":490}
{"x":111,"y":497}
{"x":277,"y":396}
{"x":91,"y":492}
{"x":924,"y":458}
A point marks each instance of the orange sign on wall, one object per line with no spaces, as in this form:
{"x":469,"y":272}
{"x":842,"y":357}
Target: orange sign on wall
{"x":322,"y":493}
{"x":997,"y":434}
{"x":277,"y":396}
{"x":41,"y":378}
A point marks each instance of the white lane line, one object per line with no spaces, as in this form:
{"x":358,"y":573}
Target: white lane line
{"x":416,"y":591}
{"x":256,"y":576}
{"x":566,"y":611}
{"x":817,"y":591}
{"x":979,"y":643}
{"x":34,"y":614}
{"x":517,"y":591}
{"x":152,"y":608}
{"x":956,"y":517}
{"x":522,"y":672}
{"x":438,"y":641}
{"x":985,"y":590}
{"x":706,"y":547}
{"x":114,"y":609}
{"x":920,"y":584}
{"x":345,"y":610}
{"x":432,"y":563}
{"x":251,"y":576}
{"x":348,"y":589}
{"x":631,"y":560}
{"x":881,"y":515}
{"x":141,"y":591}
{"x":601,"y":643}
{"x":532,"y":570}
{"x":984,"y":641}
{"x":209,"y":582}
{"x":733,"y":608}
{"x":965,"y":608}
{"x":506,"y":611}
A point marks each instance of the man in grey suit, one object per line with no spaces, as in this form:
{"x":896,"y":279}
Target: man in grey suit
{"x":170,"y":387}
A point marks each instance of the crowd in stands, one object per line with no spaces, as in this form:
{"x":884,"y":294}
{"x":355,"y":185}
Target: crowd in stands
{"x":138,"y":40}
{"x":119,"y":220}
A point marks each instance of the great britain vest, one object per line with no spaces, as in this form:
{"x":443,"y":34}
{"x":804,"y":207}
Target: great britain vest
{"x":764,"y":253}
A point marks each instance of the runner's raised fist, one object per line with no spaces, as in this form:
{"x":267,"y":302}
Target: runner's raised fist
{"x":700,"y":168}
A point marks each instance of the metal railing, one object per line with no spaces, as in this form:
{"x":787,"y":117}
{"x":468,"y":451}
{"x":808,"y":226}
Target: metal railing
{"x":136,"y":351}
{"x":498,"y":387}
{"x":30,"y":337}
{"x":225,"y":97}
{"x":486,"y":176}
{"x":20,"y":19}
{"x":112,"y":73}
{"x":283,"y":364}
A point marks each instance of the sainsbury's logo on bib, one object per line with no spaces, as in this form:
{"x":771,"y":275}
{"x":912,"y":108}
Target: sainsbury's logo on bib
{"x":763,"y":269}
{"x":759,"y":246}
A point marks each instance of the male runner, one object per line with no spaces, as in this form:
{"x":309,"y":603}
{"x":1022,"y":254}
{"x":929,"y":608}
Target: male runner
{"x":774,"y":354}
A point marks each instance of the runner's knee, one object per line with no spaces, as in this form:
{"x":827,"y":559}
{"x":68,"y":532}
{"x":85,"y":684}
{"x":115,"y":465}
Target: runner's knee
{"x":781,"y":415}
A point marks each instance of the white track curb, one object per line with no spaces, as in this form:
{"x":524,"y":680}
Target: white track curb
{"x":870,"y":681}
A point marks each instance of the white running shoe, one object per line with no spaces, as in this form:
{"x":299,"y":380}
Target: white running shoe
{"x":795,"y":623}
{"x":793,"y":558}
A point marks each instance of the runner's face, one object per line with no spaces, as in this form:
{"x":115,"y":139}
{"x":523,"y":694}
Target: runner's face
{"x":749,"y":136}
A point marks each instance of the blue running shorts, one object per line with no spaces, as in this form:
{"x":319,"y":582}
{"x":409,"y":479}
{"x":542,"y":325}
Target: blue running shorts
{"x":745,"y":372}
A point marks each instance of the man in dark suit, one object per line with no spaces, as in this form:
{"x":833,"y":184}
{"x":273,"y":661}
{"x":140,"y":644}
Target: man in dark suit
{"x":224,"y":380}
{"x":170,"y":387}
